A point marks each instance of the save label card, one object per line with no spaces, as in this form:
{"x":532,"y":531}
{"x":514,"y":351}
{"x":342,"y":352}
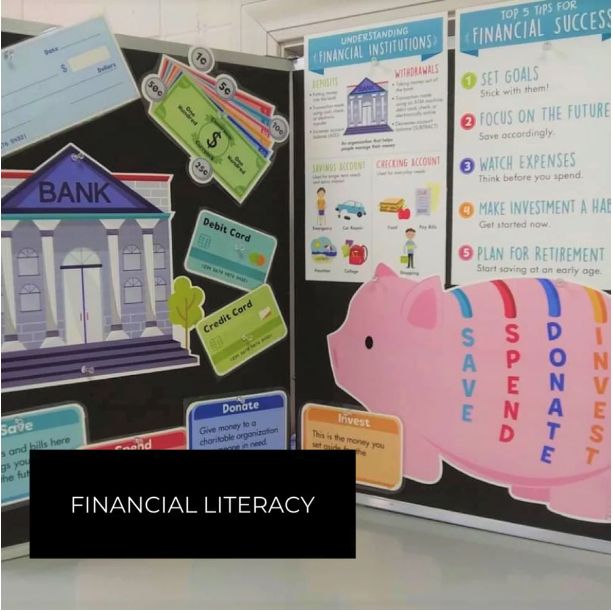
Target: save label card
{"x":249,"y":422}
{"x":61,"y":427}
{"x":59,"y":79}
{"x":376,"y":439}
{"x":241,"y":330}
{"x":196,"y":124}
{"x":229,"y":252}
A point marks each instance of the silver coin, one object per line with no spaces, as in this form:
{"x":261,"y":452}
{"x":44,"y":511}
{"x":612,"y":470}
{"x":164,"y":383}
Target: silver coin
{"x":201,"y":59}
{"x":153,"y":89}
{"x":225,"y":86}
{"x":279,"y":128}
{"x":200,"y":170}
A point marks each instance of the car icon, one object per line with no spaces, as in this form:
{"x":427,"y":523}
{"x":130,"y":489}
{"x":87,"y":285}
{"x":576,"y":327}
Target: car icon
{"x":351,"y":207}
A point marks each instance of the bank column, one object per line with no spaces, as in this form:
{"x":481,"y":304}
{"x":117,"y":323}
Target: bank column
{"x":151,"y":327}
{"x":10,"y":340}
{"x":112,"y":237}
{"x":52,"y":336}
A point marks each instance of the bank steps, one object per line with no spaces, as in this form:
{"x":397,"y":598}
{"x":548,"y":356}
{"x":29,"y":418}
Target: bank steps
{"x":24,"y":368}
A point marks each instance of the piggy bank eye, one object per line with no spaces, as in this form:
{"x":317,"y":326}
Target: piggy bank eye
{"x":368,"y":342}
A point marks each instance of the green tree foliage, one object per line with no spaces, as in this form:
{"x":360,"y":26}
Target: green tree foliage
{"x":185,"y":305}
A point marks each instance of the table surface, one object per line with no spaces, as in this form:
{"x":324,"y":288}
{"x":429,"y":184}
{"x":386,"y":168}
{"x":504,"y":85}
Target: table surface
{"x":402,"y":562}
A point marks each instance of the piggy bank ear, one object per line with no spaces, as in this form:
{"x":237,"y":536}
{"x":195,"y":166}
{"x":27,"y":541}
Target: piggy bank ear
{"x":422,"y":305}
{"x":383,"y":271}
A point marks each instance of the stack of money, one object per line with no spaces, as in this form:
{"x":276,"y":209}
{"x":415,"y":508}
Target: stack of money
{"x":225,"y":130}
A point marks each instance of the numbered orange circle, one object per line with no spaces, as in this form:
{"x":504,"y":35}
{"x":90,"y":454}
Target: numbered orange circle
{"x":466,"y":210}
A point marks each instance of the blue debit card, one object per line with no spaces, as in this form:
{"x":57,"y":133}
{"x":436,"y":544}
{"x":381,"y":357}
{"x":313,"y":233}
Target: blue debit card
{"x":60,"y":79}
{"x":251,"y":422}
{"x":229,"y":252}
{"x":61,"y":427}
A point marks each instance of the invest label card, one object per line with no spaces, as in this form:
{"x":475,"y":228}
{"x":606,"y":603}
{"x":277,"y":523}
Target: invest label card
{"x":376,"y":439}
{"x":229,"y":252}
{"x":241,"y":330}
{"x":195,"y":123}
{"x":62,"y":78}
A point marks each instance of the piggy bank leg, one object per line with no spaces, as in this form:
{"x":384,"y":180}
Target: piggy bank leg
{"x":422,"y":461}
{"x":589,"y":498}
{"x":535,"y":495}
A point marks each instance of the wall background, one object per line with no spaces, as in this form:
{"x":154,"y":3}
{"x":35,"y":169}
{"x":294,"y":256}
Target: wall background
{"x":263,"y":27}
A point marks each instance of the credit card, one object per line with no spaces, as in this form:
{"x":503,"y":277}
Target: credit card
{"x":241,"y":330}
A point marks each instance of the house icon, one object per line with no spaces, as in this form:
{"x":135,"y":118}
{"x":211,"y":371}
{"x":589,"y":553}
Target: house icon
{"x":367,"y":108}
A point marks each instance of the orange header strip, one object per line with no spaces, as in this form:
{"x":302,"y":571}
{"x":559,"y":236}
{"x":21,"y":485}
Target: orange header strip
{"x":351,"y":418}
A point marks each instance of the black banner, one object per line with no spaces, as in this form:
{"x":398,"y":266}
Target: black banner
{"x":199,"y":504}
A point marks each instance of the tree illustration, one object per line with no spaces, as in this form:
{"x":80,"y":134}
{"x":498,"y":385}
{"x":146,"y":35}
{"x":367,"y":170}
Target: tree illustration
{"x":185,"y":305}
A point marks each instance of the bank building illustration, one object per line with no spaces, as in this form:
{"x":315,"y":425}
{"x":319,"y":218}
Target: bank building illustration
{"x":367,"y":108}
{"x":86,"y":273}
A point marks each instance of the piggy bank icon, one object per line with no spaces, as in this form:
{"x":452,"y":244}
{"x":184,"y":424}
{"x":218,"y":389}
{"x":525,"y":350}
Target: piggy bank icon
{"x":507,"y":381}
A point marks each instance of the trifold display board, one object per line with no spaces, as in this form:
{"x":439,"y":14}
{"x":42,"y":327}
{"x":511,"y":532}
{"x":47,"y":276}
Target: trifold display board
{"x":108,"y":245}
{"x":441,"y":229}
{"x":453,"y":265}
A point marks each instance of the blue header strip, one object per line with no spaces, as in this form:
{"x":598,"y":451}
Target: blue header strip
{"x":408,"y":39}
{"x":533,"y":22}
{"x":215,"y":409}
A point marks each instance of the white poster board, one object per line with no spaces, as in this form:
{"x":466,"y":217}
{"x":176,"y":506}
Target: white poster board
{"x":532,"y":181}
{"x":376,"y":132}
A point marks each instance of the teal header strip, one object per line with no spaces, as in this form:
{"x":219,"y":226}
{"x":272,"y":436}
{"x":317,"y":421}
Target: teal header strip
{"x":517,"y":24}
{"x":424,"y":37}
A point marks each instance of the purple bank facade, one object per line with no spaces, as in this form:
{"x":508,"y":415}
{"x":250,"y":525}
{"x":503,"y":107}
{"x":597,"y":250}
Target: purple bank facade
{"x":86,"y":273}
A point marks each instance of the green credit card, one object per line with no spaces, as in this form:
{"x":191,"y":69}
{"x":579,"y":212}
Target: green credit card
{"x":194,"y":122}
{"x":241,"y":330}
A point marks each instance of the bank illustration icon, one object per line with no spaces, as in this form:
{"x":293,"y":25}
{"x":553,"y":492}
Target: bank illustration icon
{"x":86,"y":273}
{"x":367,"y":108}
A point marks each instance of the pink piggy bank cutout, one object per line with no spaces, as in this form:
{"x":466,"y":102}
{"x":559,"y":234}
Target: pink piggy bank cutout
{"x":507,"y":381}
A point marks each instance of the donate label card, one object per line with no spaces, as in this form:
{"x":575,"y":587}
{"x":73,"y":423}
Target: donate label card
{"x":61,"y":427}
{"x":250,"y":422}
{"x":170,"y":439}
{"x":376,"y":439}
{"x":229,"y":252}
{"x":190,"y":117}
{"x":241,"y":330}
{"x":60,"y":79}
